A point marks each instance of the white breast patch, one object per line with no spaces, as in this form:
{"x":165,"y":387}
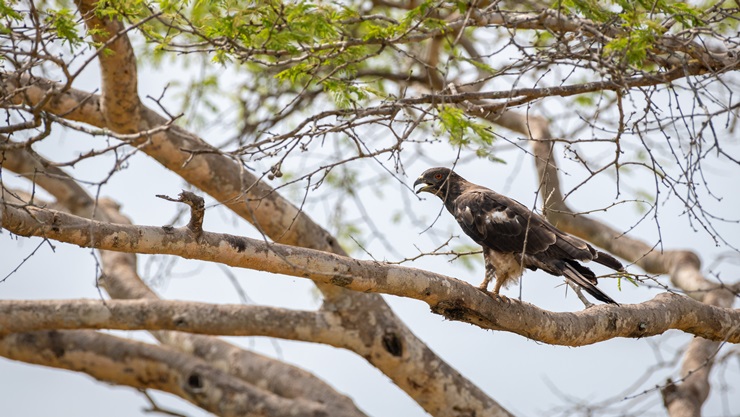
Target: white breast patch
{"x":508,"y":266}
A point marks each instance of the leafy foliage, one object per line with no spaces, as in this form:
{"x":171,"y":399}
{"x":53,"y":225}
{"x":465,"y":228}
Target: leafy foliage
{"x":7,"y":11}
{"x":641,"y":24}
{"x":463,"y":130}
{"x":63,"y":21}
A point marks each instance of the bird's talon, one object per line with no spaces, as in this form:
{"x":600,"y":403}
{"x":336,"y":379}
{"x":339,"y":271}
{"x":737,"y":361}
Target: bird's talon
{"x":496,"y":296}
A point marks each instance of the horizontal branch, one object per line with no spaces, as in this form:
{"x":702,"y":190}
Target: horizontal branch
{"x":20,"y":316}
{"x":141,"y":365}
{"x":452,"y":298}
{"x":528,"y":94}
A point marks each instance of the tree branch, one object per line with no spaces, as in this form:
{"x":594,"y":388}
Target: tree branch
{"x":686,"y":398}
{"x":140,"y":365}
{"x":121,"y":280}
{"x":184,"y":316}
{"x":453,"y":298}
{"x":120,"y":99}
{"x":663,"y":51}
{"x":317,"y":327}
{"x":524,"y":95}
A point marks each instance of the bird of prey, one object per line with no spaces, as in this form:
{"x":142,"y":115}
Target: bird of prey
{"x":512,"y":236}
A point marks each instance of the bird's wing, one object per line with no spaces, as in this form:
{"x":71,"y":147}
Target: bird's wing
{"x":502,"y":224}
{"x":506,"y":225}
{"x":569,"y":247}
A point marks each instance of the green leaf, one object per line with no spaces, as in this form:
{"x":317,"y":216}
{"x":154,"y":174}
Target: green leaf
{"x":63,"y":22}
{"x":462,"y":129}
{"x":629,"y":278}
{"x":8,"y":12}
{"x":454,"y":122}
{"x":633,"y":47}
{"x":344,"y":94}
{"x":591,"y":9}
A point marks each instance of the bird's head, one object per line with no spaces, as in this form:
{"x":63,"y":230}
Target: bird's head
{"x":435,"y":181}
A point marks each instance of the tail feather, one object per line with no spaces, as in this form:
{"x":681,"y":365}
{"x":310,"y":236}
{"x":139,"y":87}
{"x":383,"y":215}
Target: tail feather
{"x":574,"y":275}
{"x":584,"y":271}
{"x":608,"y":261}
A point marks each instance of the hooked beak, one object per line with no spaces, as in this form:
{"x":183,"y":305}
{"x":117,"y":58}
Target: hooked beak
{"x":426,"y":187}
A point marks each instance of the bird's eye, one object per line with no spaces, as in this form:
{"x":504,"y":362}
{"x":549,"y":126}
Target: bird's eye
{"x":437,"y":176}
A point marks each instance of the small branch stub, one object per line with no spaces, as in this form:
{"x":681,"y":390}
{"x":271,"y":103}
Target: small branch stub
{"x":197,"y":209}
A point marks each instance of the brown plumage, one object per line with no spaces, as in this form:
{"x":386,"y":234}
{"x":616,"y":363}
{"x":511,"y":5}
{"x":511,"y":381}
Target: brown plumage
{"x":512,"y":236}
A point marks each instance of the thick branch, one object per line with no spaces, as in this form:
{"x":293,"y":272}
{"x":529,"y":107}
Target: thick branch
{"x":121,"y":280}
{"x":68,"y":103}
{"x":120,"y":99}
{"x":453,"y":298}
{"x":18,"y":316}
{"x":66,"y":190}
{"x":317,"y":327}
{"x":687,"y":398}
{"x":140,"y":365}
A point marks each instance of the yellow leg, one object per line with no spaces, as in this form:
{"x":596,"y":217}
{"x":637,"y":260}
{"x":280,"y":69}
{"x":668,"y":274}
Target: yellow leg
{"x":497,"y":286}
{"x":496,"y":289}
{"x":490,"y":275}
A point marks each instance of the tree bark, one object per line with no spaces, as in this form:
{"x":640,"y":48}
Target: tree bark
{"x":139,"y":365}
{"x":455,"y":299}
